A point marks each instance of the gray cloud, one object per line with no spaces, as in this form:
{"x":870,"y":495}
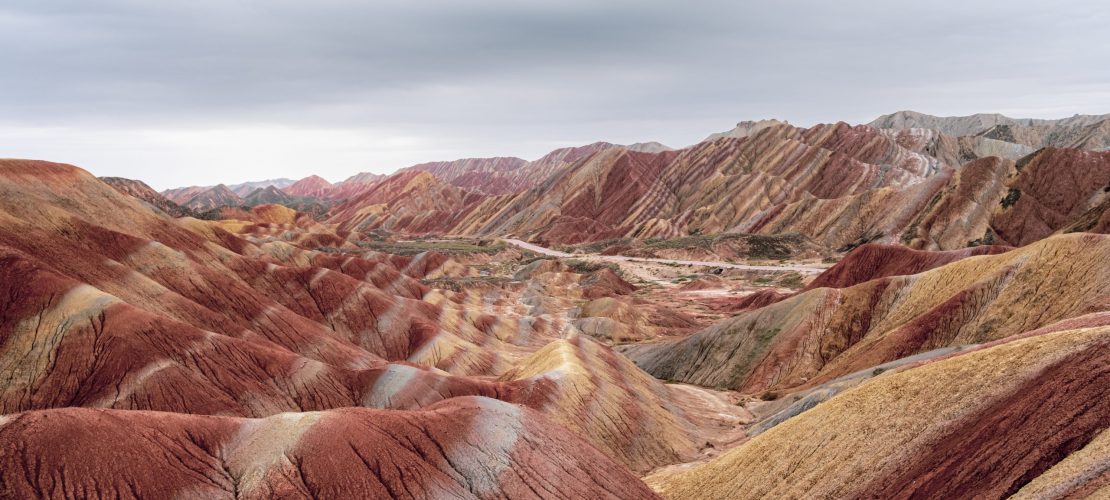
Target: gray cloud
{"x":163,"y":90}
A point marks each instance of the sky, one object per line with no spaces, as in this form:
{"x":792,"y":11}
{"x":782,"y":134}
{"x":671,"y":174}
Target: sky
{"x":198,"y":92}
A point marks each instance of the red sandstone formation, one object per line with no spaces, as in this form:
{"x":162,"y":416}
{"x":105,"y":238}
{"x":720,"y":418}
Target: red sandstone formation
{"x":275,"y":354}
{"x":123,"y":307}
{"x":462,"y":448}
{"x":312,"y":186}
{"x":210,"y":199}
{"x":839,"y":185}
{"x":139,"y":189}
{"x":871,"y":261}
{"x":824,"y":333}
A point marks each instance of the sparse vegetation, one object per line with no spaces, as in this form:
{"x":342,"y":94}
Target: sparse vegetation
{"x":783,"y":246}
{"x":1012,"y":197}
{"x":586,"y":267}
{"x":449,"y":247}
{"x":987,"y":239}
{"x":464,"y":283}
{"x":862,"y":240}
{"x":792,"y":280}
{"x":593,"y":247}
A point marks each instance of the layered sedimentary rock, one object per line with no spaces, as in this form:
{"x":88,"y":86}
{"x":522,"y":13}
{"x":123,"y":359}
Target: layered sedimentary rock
{"x":271,"y":353}
{"x":108,"y":304}
{"x":978,"y":123}
{"x":485,"y":175}
{"x":976,"y":205}
{"x":837,"y":184}
{"x":462,"y":448}
{"x":825,"y":333}
{"x":411,"y":201}
{"x":213,"y":198}
{"x":312,"y":186}
{"x":1025,"y":417}
{"x":998,"y":202}
{"x":267,"y":195}
{"x":353,"y":185}
{"x":183,"y":194}
{"x":871,"y":261}
{"x":746,"y":128}
{"x":139,"y":189}
{"x":711,"y":187}
{"x":956,"y":150}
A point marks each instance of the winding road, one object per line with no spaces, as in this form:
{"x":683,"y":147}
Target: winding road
{"x":622,"y":258}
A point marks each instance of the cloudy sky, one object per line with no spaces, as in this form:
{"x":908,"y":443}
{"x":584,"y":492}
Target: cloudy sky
{"x":179,"y":92}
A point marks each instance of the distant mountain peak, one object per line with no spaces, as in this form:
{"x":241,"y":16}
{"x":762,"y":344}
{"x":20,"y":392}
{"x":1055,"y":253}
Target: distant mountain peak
{"x":747,"y":128}
{"x":649,"y":147}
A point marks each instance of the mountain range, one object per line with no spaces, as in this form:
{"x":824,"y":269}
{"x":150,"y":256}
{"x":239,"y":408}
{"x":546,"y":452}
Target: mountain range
{"x":917,"y":307}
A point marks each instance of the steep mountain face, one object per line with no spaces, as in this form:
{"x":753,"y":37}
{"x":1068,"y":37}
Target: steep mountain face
{"x":267,"y":195}
{"x":312,"y":186}
{"x":1080,"y":131}
{"x":746,"y":128}
{"x":270,"y":195}
{"x":712,"y":187}
{"x":839,"y":185}
{"x":141,"y":191}
{"x":411,"y":201}
{"x":353,"y":185}
{"x":537,"y":172}
{"x":485,"y":175}
{"x":182,"y":195}
{"x":1013,"y":203}
{"x":505,"y":176}
{"x":956,"y":151}
{"x":974,"y":124}
{"x":587,"y":201}
{"x":649,"y":147}
{"x":210,"y":199}
{"x":246,"y":188}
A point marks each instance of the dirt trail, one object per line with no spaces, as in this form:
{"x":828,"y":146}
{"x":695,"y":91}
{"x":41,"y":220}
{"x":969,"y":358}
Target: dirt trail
{"x":622,"y":258}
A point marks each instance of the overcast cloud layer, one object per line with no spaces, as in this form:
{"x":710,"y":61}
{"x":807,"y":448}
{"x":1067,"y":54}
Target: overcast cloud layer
{"x":179,"y":92}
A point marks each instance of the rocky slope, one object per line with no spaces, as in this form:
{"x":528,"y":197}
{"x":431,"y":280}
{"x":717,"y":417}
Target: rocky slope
{"x":1080,"y":131}
{"x":974,"y":124}
{"x":213,"y":198}
{"x":825,"y":333}
{"x":960,"y":347}
{"x":994,"y":422}
{"x":183,"y":194}
{"x":312,"y":186}
{"x":462,"y":448}
{"x":141,"y":191}
{"x":839,"y":185}
{"x":615,"y":192}
{"x":108,"y":304}
{"x":485,"y":175}
{"x":353,"y":185}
